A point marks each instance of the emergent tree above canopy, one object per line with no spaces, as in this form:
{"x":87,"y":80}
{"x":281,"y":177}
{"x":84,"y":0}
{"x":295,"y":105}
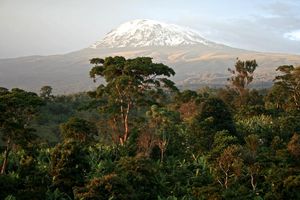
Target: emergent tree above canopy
{"x":129,"y":82}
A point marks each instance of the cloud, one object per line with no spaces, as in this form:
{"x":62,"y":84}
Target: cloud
{"x":293,"y":35}
{"x":273,"y":27}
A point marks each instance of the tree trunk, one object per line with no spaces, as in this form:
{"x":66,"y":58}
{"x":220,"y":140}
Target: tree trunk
{"x":296,"y":100}
{"x":162,"y":152}
{"x":226,"y":180}
{"x":162,"y":146}
{"x":252,"y":182}
{"x":121,"y":141}
{"x":5,"y":161}
{"x":126,"y":132}
{"x":126,"y":124}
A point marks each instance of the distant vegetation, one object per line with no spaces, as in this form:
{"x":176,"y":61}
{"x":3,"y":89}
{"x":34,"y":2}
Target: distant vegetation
{"x":139,"y":137}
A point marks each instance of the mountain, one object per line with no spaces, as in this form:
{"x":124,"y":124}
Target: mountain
{"x":145,"y":33}
{"x":196,"y":60}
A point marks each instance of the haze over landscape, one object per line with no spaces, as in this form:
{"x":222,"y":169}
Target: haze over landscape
{"x":199,"y":39}
{"x":196,"y":60}
{"x":53,"y":27}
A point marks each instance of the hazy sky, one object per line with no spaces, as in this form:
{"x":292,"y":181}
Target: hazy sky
{"x":43,"y":27}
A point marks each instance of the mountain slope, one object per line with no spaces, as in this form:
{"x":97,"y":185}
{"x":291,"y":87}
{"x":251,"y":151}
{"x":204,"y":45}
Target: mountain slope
{"x":195,"y":60}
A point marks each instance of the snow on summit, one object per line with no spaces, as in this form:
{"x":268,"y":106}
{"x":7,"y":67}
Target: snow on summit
{"x":141,"y":33}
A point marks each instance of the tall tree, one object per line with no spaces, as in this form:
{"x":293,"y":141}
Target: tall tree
{"x":129,"y":84}
{"x":162,"y":123}
{"x":18,"y":108}
{"x":69,"y":165}
{"x":290,"y":81}
{"x":228,"y":164}
{"x":251,"y":151}
{"x":242,"y":76}
{"x":218,"y":111}
{"x":46,"y":92}
{"x":213,"y":116}
{"x":294,"y":146}
{"x":79,"y":130}
{"x":277,"y":96}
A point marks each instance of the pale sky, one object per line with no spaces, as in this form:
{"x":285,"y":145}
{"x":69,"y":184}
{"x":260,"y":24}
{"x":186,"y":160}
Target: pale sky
{"x":45,"y":27}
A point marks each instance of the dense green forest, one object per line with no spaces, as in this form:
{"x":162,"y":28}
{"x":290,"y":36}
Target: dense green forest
{"x":138,"y":137}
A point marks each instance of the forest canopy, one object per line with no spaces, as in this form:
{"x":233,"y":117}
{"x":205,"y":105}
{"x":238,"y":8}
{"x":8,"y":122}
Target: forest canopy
{"x":137,"y":136}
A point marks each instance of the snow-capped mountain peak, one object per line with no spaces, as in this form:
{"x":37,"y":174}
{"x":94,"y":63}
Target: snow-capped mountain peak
{"x":141,"y":33}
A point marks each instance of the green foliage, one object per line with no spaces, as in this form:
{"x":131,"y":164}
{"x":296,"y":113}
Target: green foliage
{"x":59,"y":110}
{"x":69,"y":166}
{"x":242,"y":74}
{"x":78,"y":129}
{"x":186,"y":96}
{"x":127,"y":83}
{"x":262,"y":125}
{"x":110,"y":186}
{"x":290,"y":82}
{"x":216,"y":109}
{"x":8,"y":185}
{"x":162,"y":125}
{"x":277,"y":97}
{"x":10,"y":197}
{"x":46,"y":92}
{"x":141,"y":175}
{"x":222,"y":139}
{"x":294,"y":146}
{"x":228,"y":143}
{"x":18,"y":109}
{"x":57,"y":195}
{"x":213,"y":116}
